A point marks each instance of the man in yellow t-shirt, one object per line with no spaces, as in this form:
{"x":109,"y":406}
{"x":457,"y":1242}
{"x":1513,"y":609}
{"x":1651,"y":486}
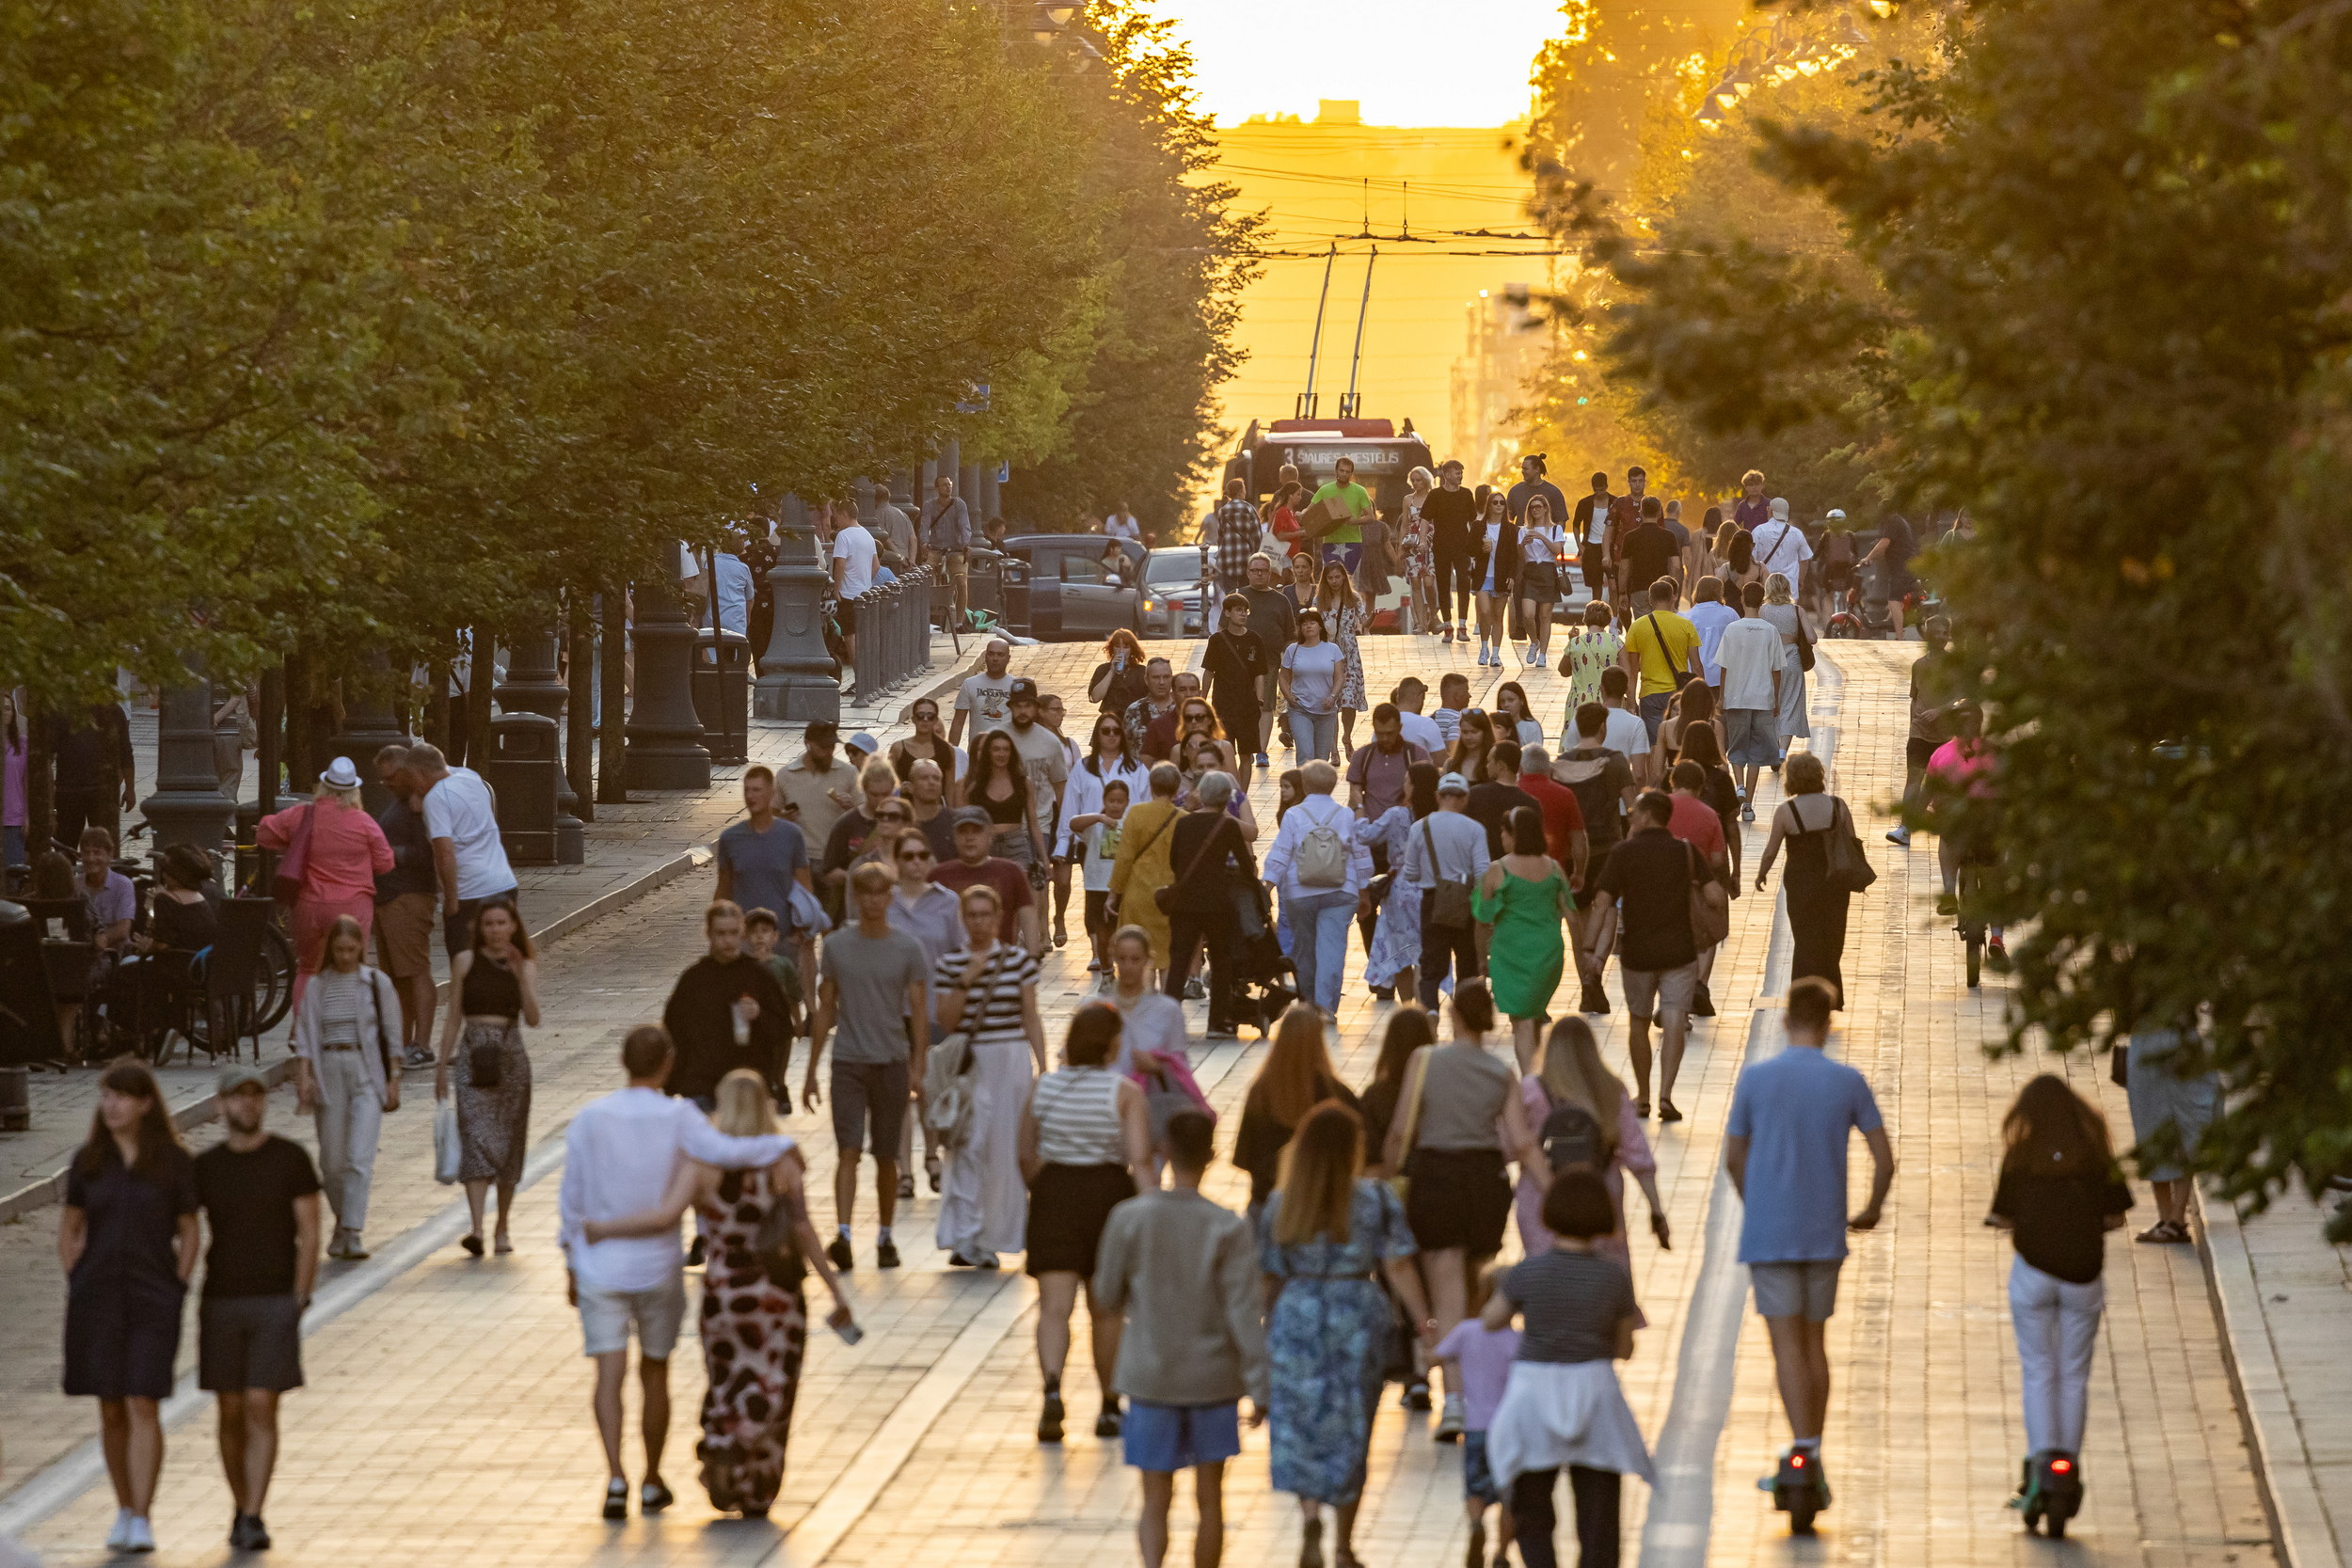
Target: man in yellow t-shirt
{"x":1346,"y":543}
{"x":1668,"y":646}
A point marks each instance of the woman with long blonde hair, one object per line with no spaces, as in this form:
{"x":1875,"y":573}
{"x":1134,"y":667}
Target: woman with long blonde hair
{"x":1571,"y":1075}
{"x":1294,"y":1077}
{"x":1329,"y":1229}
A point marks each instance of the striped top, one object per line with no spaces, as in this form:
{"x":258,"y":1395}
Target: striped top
{"x":339,"y":997}
{"x":1077,"y":1117}
{"x":992,"y":1010}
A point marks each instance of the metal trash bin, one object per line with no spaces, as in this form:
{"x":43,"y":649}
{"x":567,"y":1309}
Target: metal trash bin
{"x":723,"y":694}
{"x":521,"y":769}
{"x":28,"y":1016}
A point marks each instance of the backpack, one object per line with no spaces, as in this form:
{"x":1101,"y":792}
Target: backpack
{"x":1570,"y":1136}
{"x":1322,"y":858}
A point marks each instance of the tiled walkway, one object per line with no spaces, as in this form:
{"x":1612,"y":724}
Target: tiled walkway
{"x":446,"y":1409}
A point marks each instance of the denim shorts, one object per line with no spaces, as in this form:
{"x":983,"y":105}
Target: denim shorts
{"x":1478,"y":1482}
{"x":1172,"y":1437}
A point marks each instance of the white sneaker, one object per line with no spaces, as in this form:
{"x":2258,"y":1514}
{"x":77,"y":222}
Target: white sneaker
{"x":138,"y":1537}
{"x":120,"y":1537}
{"x":1449,"y":1420}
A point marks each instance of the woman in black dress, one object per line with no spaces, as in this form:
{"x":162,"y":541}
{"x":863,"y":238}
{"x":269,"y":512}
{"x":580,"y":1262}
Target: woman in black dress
{"x":127,"y":1237}
{"x":1817,"y":911}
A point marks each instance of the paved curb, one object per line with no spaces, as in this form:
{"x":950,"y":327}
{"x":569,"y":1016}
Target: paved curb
{"x":50,"y":1189}
{"x":2299,"y":1528}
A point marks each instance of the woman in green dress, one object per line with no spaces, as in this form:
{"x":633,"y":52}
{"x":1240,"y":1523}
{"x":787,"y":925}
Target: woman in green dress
{"x":1525,"y":895}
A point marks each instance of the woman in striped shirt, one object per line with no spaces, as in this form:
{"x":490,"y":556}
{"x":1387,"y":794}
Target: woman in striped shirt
{"x":1086,"y":1147}
{"x":989,"y":988}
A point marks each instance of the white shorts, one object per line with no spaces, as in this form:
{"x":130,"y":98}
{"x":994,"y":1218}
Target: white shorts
{"x":1808,"y":1289}
{"x":1659,"y":992}
{"x":605,"y":1317}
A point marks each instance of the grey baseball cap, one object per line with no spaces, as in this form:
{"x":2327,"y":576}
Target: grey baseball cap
{"x":239,"y":1075}
{"x":964,"y":815}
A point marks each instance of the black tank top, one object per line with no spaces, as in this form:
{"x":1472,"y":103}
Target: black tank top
{"x":491,"y":990}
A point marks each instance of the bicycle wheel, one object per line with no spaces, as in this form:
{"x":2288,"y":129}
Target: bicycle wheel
{"x":273,"y":980}
{"x":1976,"y":957}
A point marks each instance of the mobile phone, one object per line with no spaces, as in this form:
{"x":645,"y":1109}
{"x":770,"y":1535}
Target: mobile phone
{"x":850,"y":1332}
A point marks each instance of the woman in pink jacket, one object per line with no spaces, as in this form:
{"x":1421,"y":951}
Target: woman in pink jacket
{"x":344,"y":853}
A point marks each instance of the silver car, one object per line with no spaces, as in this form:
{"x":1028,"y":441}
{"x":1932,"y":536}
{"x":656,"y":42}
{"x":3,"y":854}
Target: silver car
{"x":1176,"y":592}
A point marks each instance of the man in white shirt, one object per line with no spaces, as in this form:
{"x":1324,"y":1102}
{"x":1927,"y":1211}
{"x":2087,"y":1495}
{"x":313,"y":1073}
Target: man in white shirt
{"x":1711,"y":615}
{"x":1449,"y":845}
{"x":1624,"y":732}
{"x":853,"y":557}
{"x":1419,"y":729}
{"x":985,"y":699}
{"x":619,"y":1156}
{"x":1782,"y":547}
{"x":1123,"y":524}
{"x":461,"y":818}
{"x":1320,"y":867}
{"x":1752,"y":655}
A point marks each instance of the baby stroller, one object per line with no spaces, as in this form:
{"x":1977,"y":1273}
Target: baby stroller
{"x":1261,"y":970}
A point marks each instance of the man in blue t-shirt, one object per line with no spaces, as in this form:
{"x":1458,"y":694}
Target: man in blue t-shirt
{"x":762,"y":857}
{"x":1785,"y":1148}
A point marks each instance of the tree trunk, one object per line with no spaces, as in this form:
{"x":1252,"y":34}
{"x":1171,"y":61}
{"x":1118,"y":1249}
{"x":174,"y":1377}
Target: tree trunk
{"x":612,"y":715}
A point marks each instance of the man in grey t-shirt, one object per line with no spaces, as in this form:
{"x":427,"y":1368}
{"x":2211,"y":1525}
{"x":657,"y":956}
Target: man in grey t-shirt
{"x":874,"y":982}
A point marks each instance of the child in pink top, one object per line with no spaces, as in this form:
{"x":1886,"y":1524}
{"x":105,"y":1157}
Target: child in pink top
{"x":1480,"y":1358}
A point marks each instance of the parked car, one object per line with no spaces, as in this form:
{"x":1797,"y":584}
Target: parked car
{"x":1176,"y":592}
{"x":1056,"y":586}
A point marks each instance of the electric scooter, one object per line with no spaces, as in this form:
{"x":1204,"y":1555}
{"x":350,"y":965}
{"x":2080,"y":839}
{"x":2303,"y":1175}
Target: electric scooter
{"x":2051,"y":1492}
{"x":1798,"y":1488}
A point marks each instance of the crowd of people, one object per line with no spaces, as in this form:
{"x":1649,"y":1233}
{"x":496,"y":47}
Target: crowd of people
{"x":894,"y":908}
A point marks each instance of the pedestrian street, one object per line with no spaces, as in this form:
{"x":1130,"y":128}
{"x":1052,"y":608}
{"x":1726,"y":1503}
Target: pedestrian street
{"x":446,"y":1410}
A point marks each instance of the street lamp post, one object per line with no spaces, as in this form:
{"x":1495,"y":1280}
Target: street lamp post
{"x":796,"y":680}
{"x":665,"y":736}
{"x":531,"y":687}
{"x":369,"y":726}
{"x":189,"y":805}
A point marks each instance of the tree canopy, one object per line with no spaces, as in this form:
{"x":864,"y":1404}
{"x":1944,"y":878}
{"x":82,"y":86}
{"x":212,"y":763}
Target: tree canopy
{"x":2083,"y":273}
{"x":343,"y":327}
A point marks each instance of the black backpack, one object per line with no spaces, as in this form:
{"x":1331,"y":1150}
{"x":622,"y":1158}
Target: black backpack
{"x":1570,"y":1136}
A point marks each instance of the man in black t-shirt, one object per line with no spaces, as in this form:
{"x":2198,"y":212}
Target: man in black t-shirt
{"x":1648,"y":550}
{"x":1452,"y":514}
{"x":1492,"y":803}
{"x":1235,"y":664}
{"x":1603,"y":783}
{"x":1650,"y":876}
{"x":261,"y":1198}
{"x":1274,"y":621}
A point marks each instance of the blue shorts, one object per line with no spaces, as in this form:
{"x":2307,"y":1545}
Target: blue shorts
{"x":1172,"y":1437}
{"x":1478,"y":1482}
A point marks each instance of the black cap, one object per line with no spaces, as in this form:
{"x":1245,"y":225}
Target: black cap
{"x":1025,"y":686}
{"x":821,"y":731}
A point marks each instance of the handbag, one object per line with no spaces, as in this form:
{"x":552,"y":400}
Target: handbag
{"x":286,"y":881}
{"x":948,"y":1071}
{"x":1710,"y":905}
{"x":1849,"y":868}
{"x":449,"y":1154}
{"x":486,"y":1063}
{"x":777,"y":1249}
{"x":1448,"y":904}
{"x":1804,"y":646}
{"x":1402,"y":1182}
{"x":1163,"y":895}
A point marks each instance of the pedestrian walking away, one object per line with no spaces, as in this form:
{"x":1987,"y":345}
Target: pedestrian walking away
{"x":2061,"y":1192}
{"x":2173,"y":1099}
{"x":1293,"y":1079}
{"x":1602,"y":780}
{"x":127,"y":1237}
{"x":1650,"y":877}
{"x":626,"y":1274}
{"x":1393,"y":919}
{"x":1799,"y":633}
{"x":333,"y":850}
{"x":1086,"y":1148}
{"x":875,"y":985}
{"x":1182,"y":1272}
{"x":261,"y":1198}
{"x":1445,"y":857}
{"x":1784,"y":1150}
{"x":469,"y":857}
{"x":1817,"y":905}
{"x":345,"y":1036}
{"x":1459,"y":1119}
{"x":1325,"y":1233}
{"x":1216,"y":874}
{"x":1582,"y":1116}
{"x":1526,"y":896}
{"x":1480,"y":1359}
{"x":1320,"y":868}
{"x":1562,"y":1407}
{"x":405,"y":904}
{"x":991,"y":1036}
{"x":1667,"y":647}
{"x":483,"y":1055}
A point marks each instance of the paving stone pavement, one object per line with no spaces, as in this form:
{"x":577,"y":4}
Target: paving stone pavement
{"x":446,"y":1411}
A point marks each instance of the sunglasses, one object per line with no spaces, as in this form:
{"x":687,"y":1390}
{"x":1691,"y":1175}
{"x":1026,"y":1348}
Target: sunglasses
{"x":916,"y":855}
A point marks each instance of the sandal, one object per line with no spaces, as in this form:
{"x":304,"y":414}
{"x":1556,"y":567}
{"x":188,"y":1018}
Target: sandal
{"x":1061,"y":934}
{"x":1641,"y":1110}
{"x":1666,"y":1111}
{"x":473,"y":1243}
{"x":2165,"y":1233}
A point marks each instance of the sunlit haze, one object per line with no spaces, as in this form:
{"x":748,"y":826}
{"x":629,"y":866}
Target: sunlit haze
{"x":1462,"y":63}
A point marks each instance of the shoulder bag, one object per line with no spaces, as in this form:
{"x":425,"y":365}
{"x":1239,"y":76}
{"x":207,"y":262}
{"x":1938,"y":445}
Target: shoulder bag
{"x":286,"y":882}
{"x":1710,"y":905}
{"x":1804,"y":643}
{"x":1677,"y":671}
{"x":1400,"y":1180}
{"x":1164,"y":897}
{"x":1849,"y":869}
{"x":777,"y":1247}
{"x":1450,"y":898}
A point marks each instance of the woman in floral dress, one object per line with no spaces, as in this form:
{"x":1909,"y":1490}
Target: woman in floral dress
{"x":755,"y":1317}
{"x":1395,"y":951}
{"x":1324,"y":1232}
{"x":1418,"y":551}
{"x":1344,"y":616}
{"x":1590,"y":649}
